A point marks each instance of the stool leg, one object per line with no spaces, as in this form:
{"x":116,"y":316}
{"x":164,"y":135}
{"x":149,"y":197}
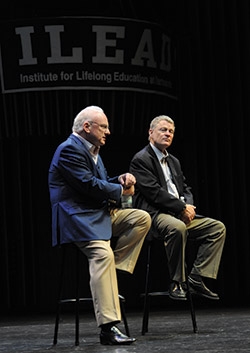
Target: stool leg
{"x":77,"y":300}
{"x":58,"y":309}
{"x":124,"y":318}
{"x":56,"y":325}
{"x":190,"y":299}
{"x":146,"y":296}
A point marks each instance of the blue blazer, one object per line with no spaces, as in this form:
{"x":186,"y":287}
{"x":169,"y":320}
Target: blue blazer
{"x":80,"y":194}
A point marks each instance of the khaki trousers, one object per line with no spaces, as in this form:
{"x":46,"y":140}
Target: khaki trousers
{"x":129,"y":227}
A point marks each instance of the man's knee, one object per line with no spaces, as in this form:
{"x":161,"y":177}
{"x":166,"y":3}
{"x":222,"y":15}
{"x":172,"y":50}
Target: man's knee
{"x":179,"y":233}
{"x":145,"y":219}
{"x":105,"y":254}
{"x":166,"y":231}
{"x":142,"y":219}
{"x":221,"y":229}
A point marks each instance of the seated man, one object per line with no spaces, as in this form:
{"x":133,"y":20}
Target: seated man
{"x":82,"y":196}
{"x":161,"y":190}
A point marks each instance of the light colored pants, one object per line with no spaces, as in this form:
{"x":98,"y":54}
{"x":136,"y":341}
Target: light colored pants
{"x":130,"y":227}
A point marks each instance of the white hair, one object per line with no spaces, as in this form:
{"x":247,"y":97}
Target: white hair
{"x":84,"y":115}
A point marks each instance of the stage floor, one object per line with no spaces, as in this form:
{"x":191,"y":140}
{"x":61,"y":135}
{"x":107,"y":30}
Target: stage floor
{"x":219,"y":330}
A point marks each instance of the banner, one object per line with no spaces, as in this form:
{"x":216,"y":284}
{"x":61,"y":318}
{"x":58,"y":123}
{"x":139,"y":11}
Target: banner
{"x":87,"y":53}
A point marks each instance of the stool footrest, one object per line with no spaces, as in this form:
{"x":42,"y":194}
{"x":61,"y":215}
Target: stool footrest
{"x":156,"y":294}
{"x":71,"y":300}
{"x":121,"y":298}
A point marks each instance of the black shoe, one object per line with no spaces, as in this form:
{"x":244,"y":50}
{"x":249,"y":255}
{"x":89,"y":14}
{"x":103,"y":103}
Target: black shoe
{"x":176,"y":291}
{"x":199,"y":288}
{"x":115,"y":337}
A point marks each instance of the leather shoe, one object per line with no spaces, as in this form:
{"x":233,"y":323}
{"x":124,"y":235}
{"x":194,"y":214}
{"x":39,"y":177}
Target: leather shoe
{"x":199,"y":288}
{"x":176,"y":291}
{"x":115,"y":337}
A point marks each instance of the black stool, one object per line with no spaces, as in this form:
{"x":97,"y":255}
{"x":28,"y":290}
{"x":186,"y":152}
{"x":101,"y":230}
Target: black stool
{"x":61,"y":300}
{"x":147,"y":294}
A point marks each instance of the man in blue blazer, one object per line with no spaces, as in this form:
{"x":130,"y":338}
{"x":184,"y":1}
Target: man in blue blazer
{"x":162,"y":191}
{"x":86,"y":211}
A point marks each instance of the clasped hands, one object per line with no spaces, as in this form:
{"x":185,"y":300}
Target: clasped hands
{"x":188,"y":214}
{"x":127,"y":181}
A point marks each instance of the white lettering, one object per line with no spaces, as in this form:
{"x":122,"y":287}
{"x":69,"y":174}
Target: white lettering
{"x":93,"y":76}
{"x":103,"y":45}
{"x":106,"y":48}
{"x":28,"y":58}
{"x":165,"y":54}
{"x":137,"y":78}
{"x":111,"y":53}
{"x":65,"y":76}
{"x":55,"y":44}
{"x":145,"y":51}
{"x":38,"y":77}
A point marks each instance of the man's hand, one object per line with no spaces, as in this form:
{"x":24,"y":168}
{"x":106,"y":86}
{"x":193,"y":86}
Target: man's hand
{"x":128,"y":191}
{"x":188,"y":214}
{"x":127,"y":180}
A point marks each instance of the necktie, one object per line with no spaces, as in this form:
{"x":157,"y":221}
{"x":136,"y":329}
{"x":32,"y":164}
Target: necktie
{"x":168,"y":176}
{"x":164,"y":160}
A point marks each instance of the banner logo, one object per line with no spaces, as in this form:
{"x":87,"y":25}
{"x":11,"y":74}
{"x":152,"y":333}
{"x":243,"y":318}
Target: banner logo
{"x":86,"y":53}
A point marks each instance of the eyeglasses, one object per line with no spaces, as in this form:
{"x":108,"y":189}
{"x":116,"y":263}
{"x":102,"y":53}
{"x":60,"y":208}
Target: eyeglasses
{"x":102,"y":126}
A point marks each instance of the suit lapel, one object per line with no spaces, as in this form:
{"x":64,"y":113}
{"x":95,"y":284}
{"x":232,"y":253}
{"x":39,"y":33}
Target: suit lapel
{"x":160,"y":172}
{"x":173,"y":172}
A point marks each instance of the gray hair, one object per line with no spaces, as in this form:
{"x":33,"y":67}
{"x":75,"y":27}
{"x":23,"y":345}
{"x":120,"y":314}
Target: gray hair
{"x":84,"y":115}
{"x":159,"y":118}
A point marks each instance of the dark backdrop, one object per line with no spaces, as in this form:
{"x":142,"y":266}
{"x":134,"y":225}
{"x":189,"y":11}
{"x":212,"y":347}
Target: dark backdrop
{"x":211,"y":115}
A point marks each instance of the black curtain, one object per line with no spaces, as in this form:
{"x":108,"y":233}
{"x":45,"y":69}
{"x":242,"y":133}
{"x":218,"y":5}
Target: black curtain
{"x":211,"y":113}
